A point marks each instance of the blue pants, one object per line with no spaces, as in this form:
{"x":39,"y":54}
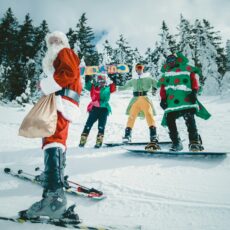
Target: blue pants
{"x":97,"y":113}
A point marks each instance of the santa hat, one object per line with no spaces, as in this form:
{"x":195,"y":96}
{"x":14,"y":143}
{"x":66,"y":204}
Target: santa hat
{"x":60,"y":35}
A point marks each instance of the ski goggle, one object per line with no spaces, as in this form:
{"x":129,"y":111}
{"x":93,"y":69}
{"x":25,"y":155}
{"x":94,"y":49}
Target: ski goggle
{"x":171,"y":59}
{"x":139,"y":67}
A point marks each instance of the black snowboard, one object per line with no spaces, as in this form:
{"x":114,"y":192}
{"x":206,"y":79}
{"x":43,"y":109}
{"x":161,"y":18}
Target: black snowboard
{"x":165,"y":152}
{"x":113,"y":144}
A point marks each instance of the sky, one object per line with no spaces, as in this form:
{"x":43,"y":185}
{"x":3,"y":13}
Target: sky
{"x":139,"y":21}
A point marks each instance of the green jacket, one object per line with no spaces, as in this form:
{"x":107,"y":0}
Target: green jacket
{"x":142,"y":84}
{"x":177,"y":84}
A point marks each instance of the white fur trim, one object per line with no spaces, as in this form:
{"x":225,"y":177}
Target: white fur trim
{"x":49,"y":85}
{"x":143,"y":75}
{"x":178,"y":87}
{"x":182,"y":107}
{"x":55,"y":144}
{"x":69,"y":110}
{"x":168,"y":74}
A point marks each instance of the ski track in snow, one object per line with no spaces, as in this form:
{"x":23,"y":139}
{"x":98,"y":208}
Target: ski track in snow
{"x":143,"y":192}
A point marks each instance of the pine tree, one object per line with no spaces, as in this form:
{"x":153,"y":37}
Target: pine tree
{"x":167,"y":42}
{"x":225,"y":84}
{"x":228,"y":55}
{"x":24,"y":64}
{"x":215,"y":39}
{"x":40,"y":50}
{"x":85,"y":37}
{"x":107,"y":53}
{"x":186,"y":39}
{"x":206,"y":54}
{"x":9,"y":50}
{"x":72,"y":37}
{"x":123,"y":53}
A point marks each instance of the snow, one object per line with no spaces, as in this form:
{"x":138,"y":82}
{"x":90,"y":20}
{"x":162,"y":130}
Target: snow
{"x":143,"y":192}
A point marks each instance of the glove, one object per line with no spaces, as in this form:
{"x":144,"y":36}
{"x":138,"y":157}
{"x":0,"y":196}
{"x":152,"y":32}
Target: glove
{"x":88,"y":78}
{"x":163,"y":104}
{"x":193,"y":96}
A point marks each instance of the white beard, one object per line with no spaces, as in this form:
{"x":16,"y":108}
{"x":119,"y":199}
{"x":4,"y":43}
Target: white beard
{"x":51,"y":55}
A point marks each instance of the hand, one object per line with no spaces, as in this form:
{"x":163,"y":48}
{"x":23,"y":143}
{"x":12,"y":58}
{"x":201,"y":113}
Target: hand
{"x":163,"y":104}
{"x":193,"y":96}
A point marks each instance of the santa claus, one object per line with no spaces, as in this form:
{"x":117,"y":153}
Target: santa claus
{"x":62,"y":77}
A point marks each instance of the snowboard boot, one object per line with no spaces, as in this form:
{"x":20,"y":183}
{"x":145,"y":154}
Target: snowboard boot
{"x":128,"y":135}
{"x":176,"y":143}
{"x":153,"y":145}
{"x":83,"y":139}
{"x":54,"y":200}
{"x":99,"y":140}
{"x":196,"y":145}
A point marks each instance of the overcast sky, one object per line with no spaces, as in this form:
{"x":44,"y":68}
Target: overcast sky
{"x":138,"y":20}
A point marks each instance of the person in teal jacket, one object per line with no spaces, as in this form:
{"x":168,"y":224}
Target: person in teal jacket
{"x":99,"y":107}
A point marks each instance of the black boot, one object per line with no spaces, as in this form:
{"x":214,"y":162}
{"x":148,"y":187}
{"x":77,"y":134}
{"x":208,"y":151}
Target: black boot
{"x":195,"y":145}
{"x":176,"y":142}
{"x":153,"y":145}
{"x":128,"y":135}
{"x":54,"y":200}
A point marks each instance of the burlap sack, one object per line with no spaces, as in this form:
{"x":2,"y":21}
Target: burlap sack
{"x":41,"y":121}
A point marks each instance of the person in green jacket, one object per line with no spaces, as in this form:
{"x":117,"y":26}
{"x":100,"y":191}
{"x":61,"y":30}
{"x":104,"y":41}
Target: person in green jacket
{"x":179,"y":86}
{"x":99,"y":107}
{"x":140,"y":105}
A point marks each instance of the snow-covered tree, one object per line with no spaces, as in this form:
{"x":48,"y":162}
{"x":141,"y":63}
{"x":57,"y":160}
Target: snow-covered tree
{"x":206,"y":54}
{"x":186,"y":39}
{"x":228,"y":55}
{"x":167,"y":43}
{"x":123,"y":53}
{"x":225,"y":84}
{"x":107,"y":53}
{"x":85,"y":44}
{"x":216,"y":41}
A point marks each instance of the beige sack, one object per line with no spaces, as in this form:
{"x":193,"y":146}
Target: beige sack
{"x":41,"y":121}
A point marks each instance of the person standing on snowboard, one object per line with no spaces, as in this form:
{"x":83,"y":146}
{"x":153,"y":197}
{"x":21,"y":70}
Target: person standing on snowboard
{"x":61,"y":67}
{"x":99,"y":107}
{"x":140,"y":105}
{"x":179,"y":86}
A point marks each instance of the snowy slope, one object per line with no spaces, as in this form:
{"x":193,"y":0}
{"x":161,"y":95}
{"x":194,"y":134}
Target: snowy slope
{"x":151,"y":192}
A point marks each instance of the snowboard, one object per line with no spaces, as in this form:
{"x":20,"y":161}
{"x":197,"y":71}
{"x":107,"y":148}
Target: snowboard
{"x":114,"y":144}
{"x":110,"y":69}
{"x":166,"y":152}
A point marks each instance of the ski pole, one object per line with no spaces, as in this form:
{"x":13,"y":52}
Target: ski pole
{"x":20,"y":171}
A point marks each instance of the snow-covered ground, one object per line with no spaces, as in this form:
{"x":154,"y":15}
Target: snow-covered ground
{"x":153,"y":192}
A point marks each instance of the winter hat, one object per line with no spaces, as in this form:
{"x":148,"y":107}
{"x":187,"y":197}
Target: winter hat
{"x":171,"y":59}
{"x":60,"y":35}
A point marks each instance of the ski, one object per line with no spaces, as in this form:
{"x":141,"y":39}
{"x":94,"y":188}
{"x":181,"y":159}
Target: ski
{"x":58,"y":222}
{"x":73,"y":187}
{"x":166,"y":152}
{"x":114,"y":144}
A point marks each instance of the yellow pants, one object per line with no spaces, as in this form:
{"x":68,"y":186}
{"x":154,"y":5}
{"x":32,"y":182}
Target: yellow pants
{"x":141,"y":104}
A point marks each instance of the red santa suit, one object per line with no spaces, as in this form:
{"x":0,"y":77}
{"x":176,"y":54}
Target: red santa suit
{"x":64,"y":73}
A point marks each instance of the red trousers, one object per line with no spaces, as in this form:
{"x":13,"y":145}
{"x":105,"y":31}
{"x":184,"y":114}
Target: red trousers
{"x":60,"y":136}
